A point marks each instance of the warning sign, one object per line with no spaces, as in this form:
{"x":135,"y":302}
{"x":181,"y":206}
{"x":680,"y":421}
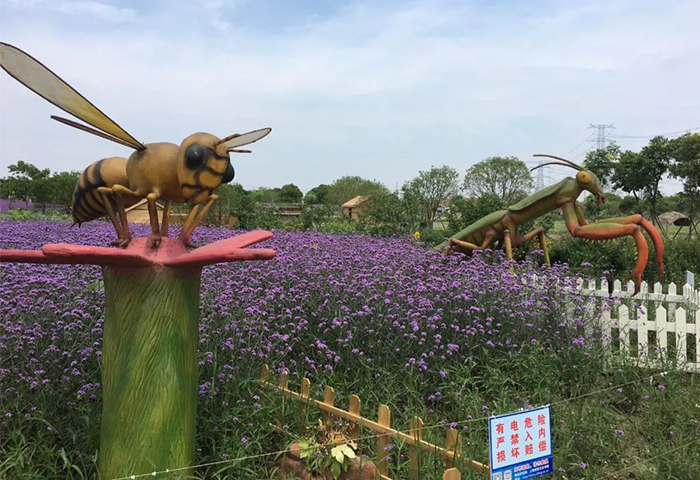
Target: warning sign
{"x":521,"y":444}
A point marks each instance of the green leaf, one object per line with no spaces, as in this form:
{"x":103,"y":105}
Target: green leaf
{"x":337,"y":453}
{"x":335,"y":470}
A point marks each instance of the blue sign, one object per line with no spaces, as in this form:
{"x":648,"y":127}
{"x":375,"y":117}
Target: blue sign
{"x":521,"y":444}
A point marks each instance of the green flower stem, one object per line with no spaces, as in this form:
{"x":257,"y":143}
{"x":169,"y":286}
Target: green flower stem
{"x":149,"y":370}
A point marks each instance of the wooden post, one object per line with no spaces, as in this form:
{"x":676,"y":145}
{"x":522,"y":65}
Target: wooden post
{"x":624,"y":322}
{"x":451,"y":474}
{"x":354,"y":408}
{"x":453,"y":443}
{"x":328,"y":398}
{"x":661,"y":331}
{"x":305,"y":391}
{"x":681,"y":336}
{"x":384,"y":419}
{"x":415,"y":455}
{"x":283,"y":385}
{"x":643,"y":334}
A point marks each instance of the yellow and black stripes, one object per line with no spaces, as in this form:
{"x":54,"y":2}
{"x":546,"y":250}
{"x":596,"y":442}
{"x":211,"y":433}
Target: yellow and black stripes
{"x":205,"y":177}
{"x":87,"y":203}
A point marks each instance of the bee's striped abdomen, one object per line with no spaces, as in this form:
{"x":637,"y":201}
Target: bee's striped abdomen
{"x":87,"y":202}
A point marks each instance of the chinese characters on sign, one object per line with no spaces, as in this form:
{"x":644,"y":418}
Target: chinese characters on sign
{"x":521,"y":444}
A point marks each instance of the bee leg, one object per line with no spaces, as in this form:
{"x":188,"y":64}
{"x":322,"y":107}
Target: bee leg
{"x":192,"y":222}
{"x":166,"y":219}
{"x":122,"y":215}
{"x":153,"y":217}
{"x":186,"y":226}
{"x":105,"y":194}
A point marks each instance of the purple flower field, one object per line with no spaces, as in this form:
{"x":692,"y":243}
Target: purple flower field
{"x":442,"y":337}
{"x":325,"y":302}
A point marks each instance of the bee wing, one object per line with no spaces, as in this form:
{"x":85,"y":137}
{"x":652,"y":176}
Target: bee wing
{"x":35,"y":76}
{"x":240,"y":139}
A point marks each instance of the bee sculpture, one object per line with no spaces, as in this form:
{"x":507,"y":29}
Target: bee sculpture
{"x":185,"y":173}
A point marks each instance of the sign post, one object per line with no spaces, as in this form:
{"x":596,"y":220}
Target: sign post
{"x":520,"y":444}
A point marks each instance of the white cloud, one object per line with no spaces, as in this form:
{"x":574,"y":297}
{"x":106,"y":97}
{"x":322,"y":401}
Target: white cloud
{"x":376,"y":90}
{"x":85,"y":8}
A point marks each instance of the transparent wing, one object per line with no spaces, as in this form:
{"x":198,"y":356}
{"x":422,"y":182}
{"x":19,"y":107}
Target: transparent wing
{"x":237,"y":140}
{"x":35,"y":76}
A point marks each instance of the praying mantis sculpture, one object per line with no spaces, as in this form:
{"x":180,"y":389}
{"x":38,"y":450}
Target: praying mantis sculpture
{"x":502,"y":225}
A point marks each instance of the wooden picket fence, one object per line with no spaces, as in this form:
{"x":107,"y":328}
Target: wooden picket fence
{"x":382,"y":426}
{"x":654,"y":327}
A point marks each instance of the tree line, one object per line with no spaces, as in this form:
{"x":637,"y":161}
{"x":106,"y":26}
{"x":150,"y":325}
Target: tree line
{"x":440,"y":194}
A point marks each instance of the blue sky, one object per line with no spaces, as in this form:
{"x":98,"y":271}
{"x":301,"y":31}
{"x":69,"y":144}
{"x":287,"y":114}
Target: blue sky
{"x":376,"y":89}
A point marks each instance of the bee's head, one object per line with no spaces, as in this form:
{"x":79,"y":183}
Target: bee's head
{"x":203,"y":164}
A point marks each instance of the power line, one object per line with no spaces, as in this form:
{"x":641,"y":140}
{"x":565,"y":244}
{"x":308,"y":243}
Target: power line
{"x":688,"y":130}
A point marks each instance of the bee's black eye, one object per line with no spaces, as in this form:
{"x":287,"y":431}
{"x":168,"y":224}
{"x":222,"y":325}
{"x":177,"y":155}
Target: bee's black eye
{"x":195,"y":155}
{"x":228,"y":176}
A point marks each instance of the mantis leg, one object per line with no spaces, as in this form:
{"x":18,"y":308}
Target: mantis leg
{"x":166,"y":219}
{"x":539,"y":232}
{"x":468,"y":246}
{"x":153,"y":217}
{"x":651,"y":230}
{"x":105,"y":194}
{"x":509,"y":246}
{"x":192,"y":222}
{"x":607,"y":230}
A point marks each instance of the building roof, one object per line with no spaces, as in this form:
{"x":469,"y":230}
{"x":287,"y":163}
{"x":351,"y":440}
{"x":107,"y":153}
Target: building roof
{"x":354,"y":202}
{"x":142,"y":205}
{"x":669,"y":218}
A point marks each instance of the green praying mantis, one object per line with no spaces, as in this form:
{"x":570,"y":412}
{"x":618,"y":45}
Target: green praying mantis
{"x":502,"y":226}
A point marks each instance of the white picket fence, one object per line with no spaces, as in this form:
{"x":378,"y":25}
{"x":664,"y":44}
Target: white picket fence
{"x":655,"y":327}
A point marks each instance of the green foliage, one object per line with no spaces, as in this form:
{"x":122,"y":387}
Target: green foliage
{"x":317,"y":195}
{"x":29,"y":183}
{"x":463,"y":212}
{"x":325,"y":449}
{"x":290,"y":193}
{"x":427,"y":191}
{"x":602,"y":162}
{"x":349,"y":187}
{"x":506,"y":177}
{"x":686,"y":152}
{"x":26,"y":215}
{"x":315,"y":214}
{"x":338,"y":225}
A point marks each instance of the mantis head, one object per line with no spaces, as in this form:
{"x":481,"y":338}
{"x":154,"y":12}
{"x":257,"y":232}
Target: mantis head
{"x":586,"y":179}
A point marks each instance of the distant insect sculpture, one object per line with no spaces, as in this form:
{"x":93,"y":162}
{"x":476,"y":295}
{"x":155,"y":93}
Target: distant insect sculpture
{"x":188,"y":173}
{"x":502,"y":225}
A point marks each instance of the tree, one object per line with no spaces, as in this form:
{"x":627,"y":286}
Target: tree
{"x":290,"y":193}
{"x":27,"y":182}
{"x":265,"y":195}
{"x":655,"y":159}
{"x":62,"y":185}
{"x":629,"y":176}
{"x":428,"y":190}
{"x":506,"y":177}
{"x":685,"y":151}
{"x":346,"y":188}
{"x":602,"y":162}
{"x":463,"y":212}
{"x":317,"y":195}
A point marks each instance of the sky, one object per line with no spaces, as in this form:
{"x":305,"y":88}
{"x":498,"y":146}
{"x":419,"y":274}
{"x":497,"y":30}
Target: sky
{"x":379,"y":89}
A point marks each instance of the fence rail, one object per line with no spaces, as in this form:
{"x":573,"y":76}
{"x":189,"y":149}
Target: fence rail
{"x":652,"y":326}
{"x":382,"y":426}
